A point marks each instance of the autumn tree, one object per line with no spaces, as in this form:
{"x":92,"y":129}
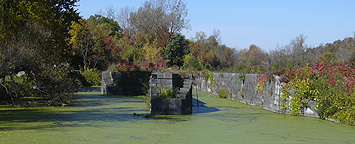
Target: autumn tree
{"x":87,"y":40}
{"x":227,"y":56}
{"x":156,"y":15}
{"x":151,"y":51}
{"x":280,"y":58}
{"x":290,"y":55}
{"x":207,"y":53}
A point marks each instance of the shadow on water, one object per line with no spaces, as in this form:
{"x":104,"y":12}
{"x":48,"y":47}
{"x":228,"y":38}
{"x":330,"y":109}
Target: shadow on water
{"x":91,"y":109}
{"x":79,"y":118}
{"x":85,"y":110}
{"x":200,"y":107}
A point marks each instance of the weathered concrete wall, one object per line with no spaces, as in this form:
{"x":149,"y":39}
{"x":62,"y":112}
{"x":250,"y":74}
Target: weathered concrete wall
{"x":182,"y":104}
{"x":243,"y":88}
{"x":124,"y":83}
{"x":272,"y":96}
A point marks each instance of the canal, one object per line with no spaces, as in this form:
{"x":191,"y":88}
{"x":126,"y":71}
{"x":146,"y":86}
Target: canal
{"x":110,"y":119}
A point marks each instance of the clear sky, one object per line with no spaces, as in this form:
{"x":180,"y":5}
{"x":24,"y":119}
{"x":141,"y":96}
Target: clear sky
{"x":265,"y":23}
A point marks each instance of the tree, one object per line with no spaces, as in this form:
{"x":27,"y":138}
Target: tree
{"x":298,"y":48}
{"x":55,"y":15}
{"x":205,"y":51}
{"x":279,"y":58}
{"x":86,"y":40}
{"x":124,"y":16}
{"x":175,"y":50}
{"x":227,"y":56}
{"x":33,"y":50}
{"x":28,"y":68}
{"x":151,"y":51}
{"x":157,"y":15}
{"x":106,"y":23}
{"x":291,"y":55}
{"x":217,"y":35}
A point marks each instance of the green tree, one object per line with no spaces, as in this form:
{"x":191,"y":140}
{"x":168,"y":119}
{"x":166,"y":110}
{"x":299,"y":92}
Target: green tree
{"x":87,"y":40}
{"x":55,"y":15}
{"x":175,"y":50}
{"x":33,"y":50}
{"x":107,"y":23}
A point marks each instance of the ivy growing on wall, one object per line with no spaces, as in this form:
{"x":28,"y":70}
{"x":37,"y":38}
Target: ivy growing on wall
{"x":332,"y":86}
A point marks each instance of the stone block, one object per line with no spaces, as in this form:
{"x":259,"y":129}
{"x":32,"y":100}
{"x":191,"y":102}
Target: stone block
{"x":166,"y":81}
{"x":157,"y":75}
{"x":159,"y":105}
{"x":175,"y":106}
{"x":155,"y":81}
{"x":184,"y":90}
{"x":181,"y":95}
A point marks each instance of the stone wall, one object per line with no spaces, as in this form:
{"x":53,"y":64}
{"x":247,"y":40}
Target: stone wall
{"x":180,"y":104}
{"x":242,"y":87}
{"x":124,"y":83}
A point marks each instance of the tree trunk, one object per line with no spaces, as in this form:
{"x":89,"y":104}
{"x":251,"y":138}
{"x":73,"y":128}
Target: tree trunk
{"x":85,"y":57}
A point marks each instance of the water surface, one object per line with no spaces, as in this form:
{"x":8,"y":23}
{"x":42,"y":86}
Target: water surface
{"x":110,"y":119}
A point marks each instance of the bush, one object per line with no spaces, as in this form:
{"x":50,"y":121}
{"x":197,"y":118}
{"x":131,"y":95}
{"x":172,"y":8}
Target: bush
{"x":157,"y":64}
{"x":223,"y":93}
{"x":165,"y":92}
{"x":261,"y":85}
{"x":92,"y":76}
{"x":332,"y":86}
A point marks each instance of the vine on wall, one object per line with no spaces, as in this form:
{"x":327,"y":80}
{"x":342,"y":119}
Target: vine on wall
{"x":260,"y":86}
{"x":332,"y":86}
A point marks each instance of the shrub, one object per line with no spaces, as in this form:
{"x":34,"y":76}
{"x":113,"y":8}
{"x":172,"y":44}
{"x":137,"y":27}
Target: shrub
{"x":157,"y":64}
{"x":261,"y":85}
{"x":285,"y":93}
{"x":223,"y":93}
{"x":92,"y":76}
{"x":208,"y":76}
{"x":125,"y":66}
{"x":330,"y":85}
{"x":164,"y":92}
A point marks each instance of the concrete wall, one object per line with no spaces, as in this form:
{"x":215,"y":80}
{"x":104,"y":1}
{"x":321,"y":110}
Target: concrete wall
{"x":242,"y":88}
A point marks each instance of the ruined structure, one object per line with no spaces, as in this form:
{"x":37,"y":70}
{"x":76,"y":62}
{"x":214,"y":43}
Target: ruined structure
{"x":179,"y":103}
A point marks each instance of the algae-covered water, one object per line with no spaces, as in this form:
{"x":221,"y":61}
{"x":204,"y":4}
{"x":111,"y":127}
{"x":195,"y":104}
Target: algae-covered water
{"x":110,"y":119}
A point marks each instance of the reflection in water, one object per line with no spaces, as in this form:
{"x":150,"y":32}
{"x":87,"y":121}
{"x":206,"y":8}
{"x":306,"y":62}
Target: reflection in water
{"x":110,"y":119}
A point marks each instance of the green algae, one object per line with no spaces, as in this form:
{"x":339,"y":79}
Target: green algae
{"x":109,"y":119}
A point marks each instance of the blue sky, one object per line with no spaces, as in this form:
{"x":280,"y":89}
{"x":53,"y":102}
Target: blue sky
{"x":265,"y":23}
